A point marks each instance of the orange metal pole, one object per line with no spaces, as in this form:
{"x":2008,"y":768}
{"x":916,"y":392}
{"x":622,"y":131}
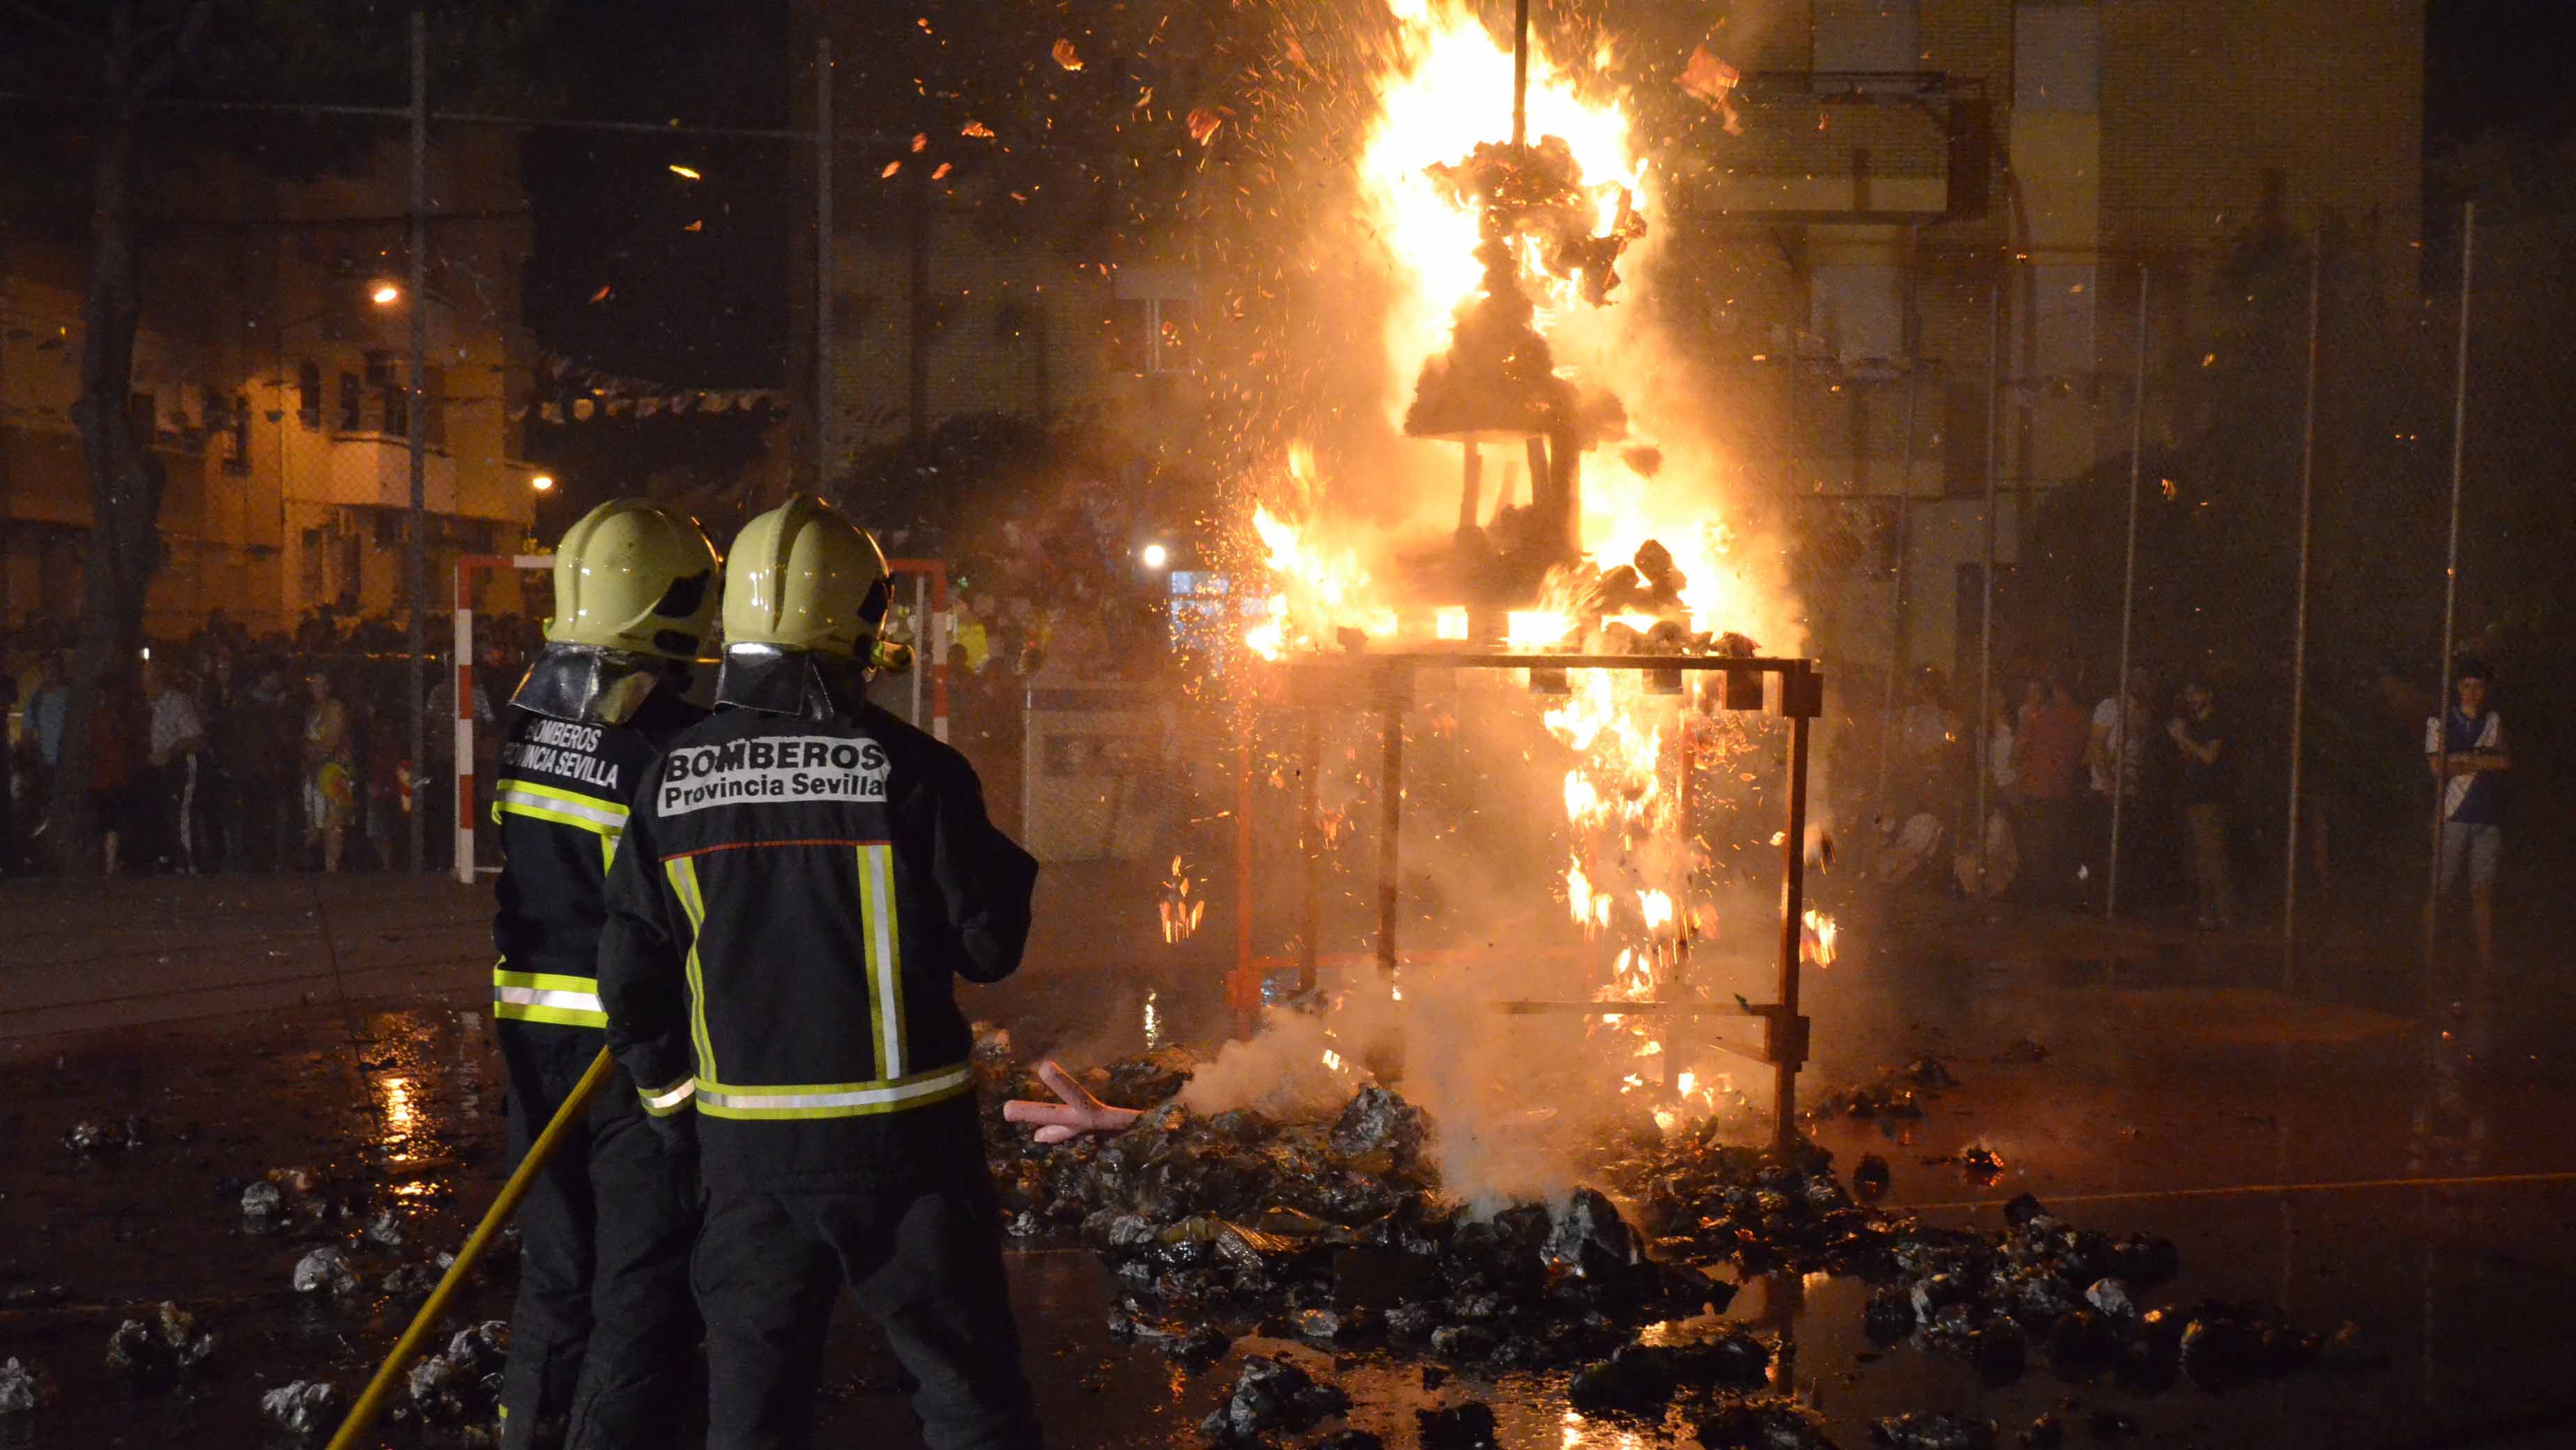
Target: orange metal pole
{"x":1788,"y":1043}
{"x":1311,"y":825}
{"x":1243,"y":985}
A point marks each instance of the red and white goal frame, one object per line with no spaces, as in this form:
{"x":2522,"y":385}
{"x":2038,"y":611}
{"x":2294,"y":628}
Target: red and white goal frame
{"x":929,"y":679}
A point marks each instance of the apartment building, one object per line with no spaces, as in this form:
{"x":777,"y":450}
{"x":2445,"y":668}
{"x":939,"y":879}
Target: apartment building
{"x":272,"y":369}
{"x":1932,"y":194}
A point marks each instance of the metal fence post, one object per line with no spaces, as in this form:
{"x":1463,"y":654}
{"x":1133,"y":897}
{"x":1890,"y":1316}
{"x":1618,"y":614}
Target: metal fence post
{"x":1984,"y":752}
{"x":2299,"y":630}
{"x":2450,"y":602}
{"x":824,"y":413}
{"x":415,"y":544}
{"x":2128,"y":610}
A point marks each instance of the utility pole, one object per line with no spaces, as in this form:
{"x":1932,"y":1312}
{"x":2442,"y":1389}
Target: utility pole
{"x":415,"y":544}
{"x":824,"y":441}
{"x":1520,"y":74}
{"x":2299,"y":628}
{"x":2128,"y":611}
{"x":1983,"y":754}
{"x":2450,"y":613}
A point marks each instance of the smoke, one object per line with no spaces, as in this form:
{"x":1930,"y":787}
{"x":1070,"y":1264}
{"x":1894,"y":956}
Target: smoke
{"x":1298,"y":1067}
{"x":1341,"y":288}
{"x":1517,"y":1101}
{"x":1349,"y":281}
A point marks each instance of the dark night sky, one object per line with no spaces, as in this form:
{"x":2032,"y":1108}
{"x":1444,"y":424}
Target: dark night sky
{"x":704,"y":307}
{"x":2490,"y":65}
{"x":708,"y":308}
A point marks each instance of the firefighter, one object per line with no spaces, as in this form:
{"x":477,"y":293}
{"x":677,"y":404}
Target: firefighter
{"x":803,"y":877}
{"x":604,"y":1307}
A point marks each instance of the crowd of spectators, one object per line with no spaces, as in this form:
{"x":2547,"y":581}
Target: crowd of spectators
{"x":2053,"y":768}
{"x":228,"y":750}
{"x":1055,"y":590}
{"x":233,"y":751}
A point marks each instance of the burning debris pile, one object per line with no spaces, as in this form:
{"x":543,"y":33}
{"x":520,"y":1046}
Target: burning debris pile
{"x":1334,"y":1229}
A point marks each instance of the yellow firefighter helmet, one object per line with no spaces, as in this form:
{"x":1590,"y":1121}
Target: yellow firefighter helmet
{"x":804,"y":577}
{"x":633,"y":576}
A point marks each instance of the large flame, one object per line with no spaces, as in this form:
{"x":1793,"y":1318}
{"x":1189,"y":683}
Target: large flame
{"x":1631,"y":871}
{"x":1451,"y":87}
{"x":1448,"y":88}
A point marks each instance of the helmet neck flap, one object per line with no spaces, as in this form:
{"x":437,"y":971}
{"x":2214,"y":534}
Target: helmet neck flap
{"x":806,"y":684}
{"x":590,"y":685}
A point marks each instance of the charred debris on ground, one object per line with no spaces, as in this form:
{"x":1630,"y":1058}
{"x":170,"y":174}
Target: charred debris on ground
{"x":1334,"y":1230}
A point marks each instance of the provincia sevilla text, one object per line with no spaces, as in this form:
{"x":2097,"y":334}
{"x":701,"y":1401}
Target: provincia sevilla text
{"x":785,"y":769}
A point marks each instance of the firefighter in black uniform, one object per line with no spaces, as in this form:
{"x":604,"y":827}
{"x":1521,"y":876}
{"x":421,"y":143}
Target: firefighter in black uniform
{"x":804,"y":875}
{"x":604,"y":1309}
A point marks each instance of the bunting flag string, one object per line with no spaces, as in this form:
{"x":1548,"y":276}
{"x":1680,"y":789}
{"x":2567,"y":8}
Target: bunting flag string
{"x":714,"y":400}
{"x":613,"y":395}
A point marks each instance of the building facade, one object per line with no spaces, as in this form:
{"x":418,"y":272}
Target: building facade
{"x":1003,"y":288}
{"x":273,"y":365}
{"x":1927,"y":209}
{"x":1929,"y":196}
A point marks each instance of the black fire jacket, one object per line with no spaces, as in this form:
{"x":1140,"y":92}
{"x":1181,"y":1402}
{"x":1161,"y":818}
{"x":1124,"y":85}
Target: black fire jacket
{"x":786,"y":918}
{"x":560,"y":805}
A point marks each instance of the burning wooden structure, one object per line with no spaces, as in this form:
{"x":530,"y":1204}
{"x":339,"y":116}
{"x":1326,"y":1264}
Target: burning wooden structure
{"x":1498,"y":243}
{"x":1384,"y":684}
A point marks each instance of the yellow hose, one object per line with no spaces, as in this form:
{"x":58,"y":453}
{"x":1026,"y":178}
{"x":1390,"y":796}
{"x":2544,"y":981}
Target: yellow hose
{"x":372,"y":1403}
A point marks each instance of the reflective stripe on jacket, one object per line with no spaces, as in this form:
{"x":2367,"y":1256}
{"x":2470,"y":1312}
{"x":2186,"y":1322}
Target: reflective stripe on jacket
{"x":787,"y":915}
{"x":559,"y":806}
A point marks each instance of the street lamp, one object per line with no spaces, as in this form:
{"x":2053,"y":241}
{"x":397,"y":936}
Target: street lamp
{"x":381,"y":293}
{"x":1155,"y":556}
{"x":542,"y":482}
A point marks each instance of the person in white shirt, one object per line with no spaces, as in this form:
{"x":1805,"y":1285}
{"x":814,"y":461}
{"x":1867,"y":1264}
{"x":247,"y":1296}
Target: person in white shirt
{"x":2123,"y":727}
{"x":176,"y":735}
{"x":2466,"y":751}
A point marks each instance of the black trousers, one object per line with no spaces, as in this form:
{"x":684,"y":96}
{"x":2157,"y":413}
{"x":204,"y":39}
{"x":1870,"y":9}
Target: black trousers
{"x":267,"y":819}
{"x":602,"y":1334}
{"x":925,"y":1259}
{"x":2049,"y":854}
{"x":170,"y":795}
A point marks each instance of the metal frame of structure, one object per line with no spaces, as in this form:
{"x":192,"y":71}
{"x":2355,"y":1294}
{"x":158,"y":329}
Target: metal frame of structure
{"x":1791,"y":688}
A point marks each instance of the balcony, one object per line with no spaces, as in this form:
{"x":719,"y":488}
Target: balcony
{"x":374,"y":469}
{"x":1848,"y":146}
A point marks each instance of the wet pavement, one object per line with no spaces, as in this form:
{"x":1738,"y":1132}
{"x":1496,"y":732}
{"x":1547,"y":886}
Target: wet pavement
{"x":2317,"y":1151}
